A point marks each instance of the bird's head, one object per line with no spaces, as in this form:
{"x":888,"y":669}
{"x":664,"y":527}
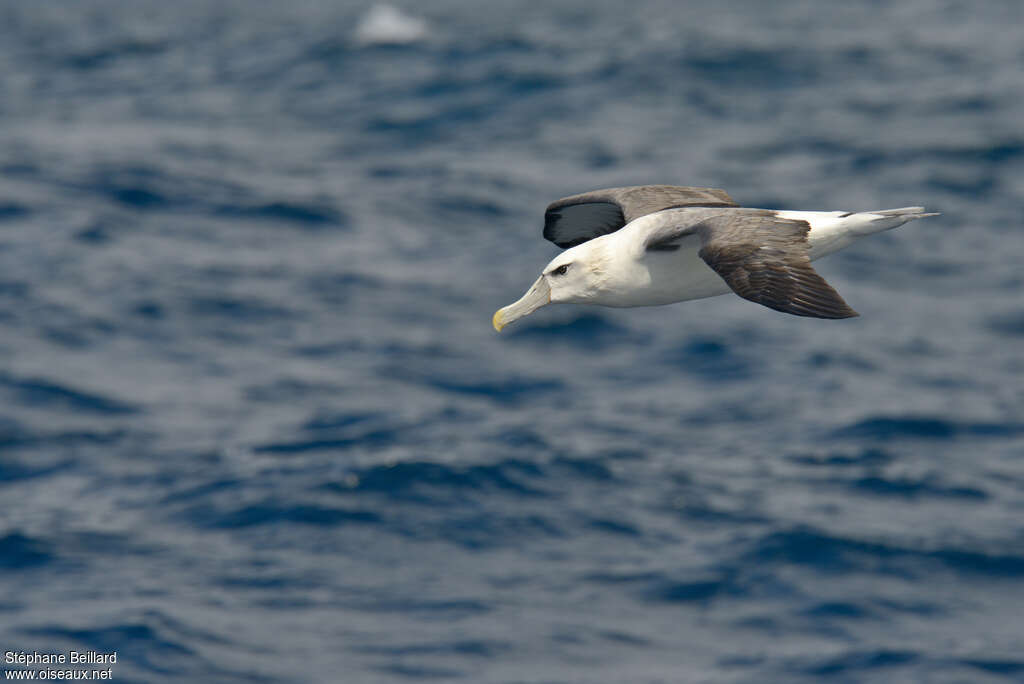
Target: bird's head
{"x":575,"y":275}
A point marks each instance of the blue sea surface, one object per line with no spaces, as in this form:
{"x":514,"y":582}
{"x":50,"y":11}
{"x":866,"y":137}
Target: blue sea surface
{"x":256,"y":426}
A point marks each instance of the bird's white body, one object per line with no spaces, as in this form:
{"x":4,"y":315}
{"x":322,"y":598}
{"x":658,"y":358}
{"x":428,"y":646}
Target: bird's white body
{"x":633,"y":276}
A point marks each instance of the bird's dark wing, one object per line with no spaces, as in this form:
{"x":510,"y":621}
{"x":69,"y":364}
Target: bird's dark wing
{"x":571,"y":224}
{"x":762,"y":257}
{"x":576,"y":219}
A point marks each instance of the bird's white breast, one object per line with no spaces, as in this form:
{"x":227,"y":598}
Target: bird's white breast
{"x":637,"y":277}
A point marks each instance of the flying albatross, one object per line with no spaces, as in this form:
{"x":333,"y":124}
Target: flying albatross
{"x":658,"y":244}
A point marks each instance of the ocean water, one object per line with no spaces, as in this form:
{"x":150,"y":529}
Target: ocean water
{"x":256,"y":427}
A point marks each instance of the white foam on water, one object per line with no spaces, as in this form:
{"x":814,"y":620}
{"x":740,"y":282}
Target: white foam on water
{"x":388,"y":25}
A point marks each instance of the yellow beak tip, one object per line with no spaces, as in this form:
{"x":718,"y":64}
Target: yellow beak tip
{"x":497,"y":321}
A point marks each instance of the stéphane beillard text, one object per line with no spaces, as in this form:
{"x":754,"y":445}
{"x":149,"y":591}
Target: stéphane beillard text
{"x":71,"y":658}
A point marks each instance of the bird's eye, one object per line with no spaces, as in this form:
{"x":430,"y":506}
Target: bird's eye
{"x":561,"y":270}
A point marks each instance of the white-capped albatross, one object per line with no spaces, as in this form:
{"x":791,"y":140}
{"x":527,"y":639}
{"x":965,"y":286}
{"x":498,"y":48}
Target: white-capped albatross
{"x":657,"y":244}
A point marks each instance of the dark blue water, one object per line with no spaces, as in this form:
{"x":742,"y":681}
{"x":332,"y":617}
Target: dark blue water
{"x":256,"y":426}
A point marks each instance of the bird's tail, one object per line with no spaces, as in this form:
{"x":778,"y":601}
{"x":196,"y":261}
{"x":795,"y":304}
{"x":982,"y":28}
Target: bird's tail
{"x":886,"y":219}
{"x":906,"y":213}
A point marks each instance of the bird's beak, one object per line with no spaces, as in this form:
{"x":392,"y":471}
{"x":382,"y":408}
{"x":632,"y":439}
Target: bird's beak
{"x":537,"y":296}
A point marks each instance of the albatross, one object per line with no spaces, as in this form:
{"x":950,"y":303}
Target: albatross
{"x":657,"y":244}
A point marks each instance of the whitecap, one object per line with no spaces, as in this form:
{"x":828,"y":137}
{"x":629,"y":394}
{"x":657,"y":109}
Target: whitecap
{"x":388,"y":25}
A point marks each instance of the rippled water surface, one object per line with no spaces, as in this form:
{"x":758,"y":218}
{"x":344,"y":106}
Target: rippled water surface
{"x":256,"y":426}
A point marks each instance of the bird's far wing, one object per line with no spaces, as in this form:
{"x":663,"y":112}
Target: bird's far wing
{"x":568,"y":225}
{"x":573,"y":220}
{"x":641,"y":200}
{"x":763,"y":258}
